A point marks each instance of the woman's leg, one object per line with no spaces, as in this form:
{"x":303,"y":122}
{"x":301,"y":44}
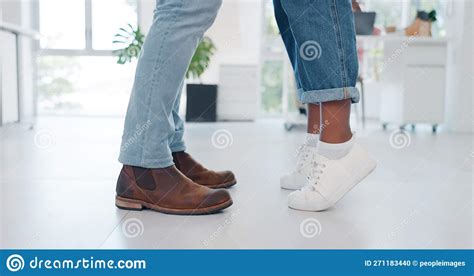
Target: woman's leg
{"x":327,"y":57}
{"x":293,"y":52}
{"x":296,"y":178}
{"x":336,"y":116}
{"x":287,"y":37}
{"x":327,"y":62}
{"x":314,"y":119}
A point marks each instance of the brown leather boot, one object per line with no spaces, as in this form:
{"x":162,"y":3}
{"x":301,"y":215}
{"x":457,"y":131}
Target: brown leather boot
{"x":199,"y":174}
{"x":168,"y":191}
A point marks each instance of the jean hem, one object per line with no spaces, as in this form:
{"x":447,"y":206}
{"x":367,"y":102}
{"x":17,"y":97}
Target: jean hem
{"x":145,"y":163}
{"x":178,"y":148}
{"x":328,"y":95}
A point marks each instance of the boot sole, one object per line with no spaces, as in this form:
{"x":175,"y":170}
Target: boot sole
{"x":223,"y":185}
{"x":139,"y":205}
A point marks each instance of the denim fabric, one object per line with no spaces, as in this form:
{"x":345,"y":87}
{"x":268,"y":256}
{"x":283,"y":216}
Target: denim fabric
{"x":153,"y":128}
{"x":319,"y":36}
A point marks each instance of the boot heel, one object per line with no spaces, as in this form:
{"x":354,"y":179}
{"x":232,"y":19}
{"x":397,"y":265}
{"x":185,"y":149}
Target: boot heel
{"x":128,"y":204}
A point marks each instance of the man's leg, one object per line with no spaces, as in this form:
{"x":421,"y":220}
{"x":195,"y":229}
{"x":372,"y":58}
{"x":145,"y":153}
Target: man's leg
{"x":148,"y":178}
{"x":297,"y":177}
{"x":174,"y":35}
{"x":325,"y":37}
{"x":188,"y":165}
{"x":177,"y":140}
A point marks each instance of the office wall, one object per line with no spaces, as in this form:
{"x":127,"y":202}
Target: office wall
{"x":460,"y":89}
{"x":10,"y":10}
{"x":236,"y":33}
{"x":28,"y":65}
{"x":20,"y":14}
{"x":8,"y":78}
{"x":8,"y":64}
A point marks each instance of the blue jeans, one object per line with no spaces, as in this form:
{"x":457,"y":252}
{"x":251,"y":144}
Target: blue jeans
{"x":153,"y":128}
{"x":319,"y":36}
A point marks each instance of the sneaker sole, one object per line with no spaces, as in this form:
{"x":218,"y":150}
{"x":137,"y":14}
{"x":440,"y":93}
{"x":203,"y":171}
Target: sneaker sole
{"x":289,"y":189}
{"x":348,"y":191}
{"x":284,"y":185}
{"x":139,"y":205}
{"x":353,"y":186}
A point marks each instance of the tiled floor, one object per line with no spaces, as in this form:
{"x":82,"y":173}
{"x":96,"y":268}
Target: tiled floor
{"x":57,"y":186}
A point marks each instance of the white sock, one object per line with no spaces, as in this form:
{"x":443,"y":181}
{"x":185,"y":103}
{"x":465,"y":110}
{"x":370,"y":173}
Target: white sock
{"x":335,"y":151}
{"x":311,"y":140}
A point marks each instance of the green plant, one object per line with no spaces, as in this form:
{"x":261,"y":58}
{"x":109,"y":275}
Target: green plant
{"x":133,"y":40}
{"x":432,"y":16}
{"x":427,"y":16}
{"x":201,"y":58}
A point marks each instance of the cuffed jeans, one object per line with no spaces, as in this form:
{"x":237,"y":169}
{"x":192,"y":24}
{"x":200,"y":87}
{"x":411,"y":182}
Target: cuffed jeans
{"x":319,"y":36}
{"x":153,"y":128}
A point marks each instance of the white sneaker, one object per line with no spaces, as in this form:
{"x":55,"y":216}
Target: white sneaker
{"x":329,"y":180}
{"x":297,"y":178}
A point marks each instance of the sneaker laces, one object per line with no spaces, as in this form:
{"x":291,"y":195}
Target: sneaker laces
{"x":315,"y":174}
{"x":303,"y":159}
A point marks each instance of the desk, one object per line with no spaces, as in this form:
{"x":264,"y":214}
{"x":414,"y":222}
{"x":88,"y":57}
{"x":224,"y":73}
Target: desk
{"x":413,"y":75}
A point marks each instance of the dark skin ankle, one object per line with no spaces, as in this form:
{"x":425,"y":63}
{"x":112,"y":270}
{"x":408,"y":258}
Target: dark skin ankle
{"x":314,"y":119}
{"x":336,"y":118}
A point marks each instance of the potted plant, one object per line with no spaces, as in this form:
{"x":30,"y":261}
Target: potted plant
{"x":132,"y":40}
{"x":201,"y":98}
{"x":422,"y":24}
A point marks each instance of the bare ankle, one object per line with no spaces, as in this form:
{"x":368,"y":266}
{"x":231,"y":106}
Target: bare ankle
{"x":336,"y":137}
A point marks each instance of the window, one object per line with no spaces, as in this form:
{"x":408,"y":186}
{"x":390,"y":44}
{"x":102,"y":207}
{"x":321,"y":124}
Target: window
{"x":76,"y":49}
{"x":70,"y":85}
{"x":276,"y":75}
{"x":62,"y":24}
{"x":84,"y":24}
{"x":389,"y":12}
{"x":272,"y":72}
{"x":107,"y":17}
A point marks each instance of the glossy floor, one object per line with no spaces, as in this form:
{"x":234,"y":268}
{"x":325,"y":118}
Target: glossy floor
{"x":58,"y":180}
